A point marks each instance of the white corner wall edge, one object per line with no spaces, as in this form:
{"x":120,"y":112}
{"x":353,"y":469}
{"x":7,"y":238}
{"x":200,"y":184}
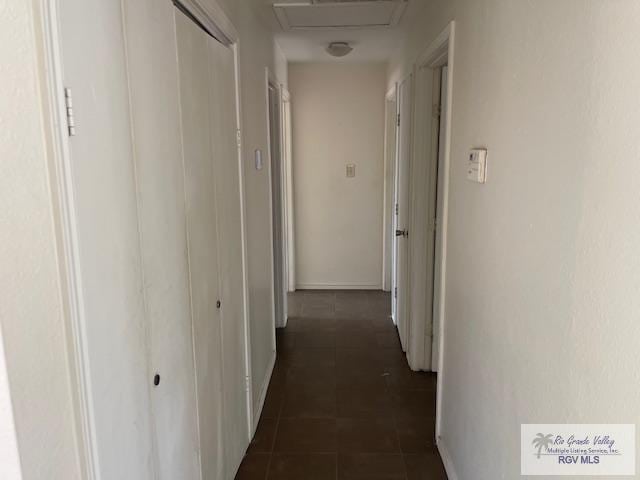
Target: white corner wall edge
{"x":446,"y":459}
{"x":9,"y":457}
{"x":263,"y":395}
{"x":339,"y":286}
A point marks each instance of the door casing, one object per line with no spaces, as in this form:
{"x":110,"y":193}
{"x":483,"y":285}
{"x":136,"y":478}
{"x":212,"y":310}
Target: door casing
{"x":439,"y":52}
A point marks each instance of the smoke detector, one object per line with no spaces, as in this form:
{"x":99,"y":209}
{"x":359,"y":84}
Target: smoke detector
{"x":339,"y":49}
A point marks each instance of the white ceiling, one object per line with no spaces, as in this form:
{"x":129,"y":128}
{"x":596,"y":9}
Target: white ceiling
{"x":370,"y":44}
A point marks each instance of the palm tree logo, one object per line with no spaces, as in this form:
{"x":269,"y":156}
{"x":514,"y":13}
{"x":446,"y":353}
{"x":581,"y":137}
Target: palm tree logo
{"x":542,"y":441}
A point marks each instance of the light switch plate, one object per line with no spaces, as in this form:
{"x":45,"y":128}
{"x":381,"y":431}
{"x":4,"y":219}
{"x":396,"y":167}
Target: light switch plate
{"x":477,"y":165}
{"x":351,"y":170}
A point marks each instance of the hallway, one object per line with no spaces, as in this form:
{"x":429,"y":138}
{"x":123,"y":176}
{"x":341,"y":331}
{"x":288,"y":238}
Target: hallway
{"x":342,"y":402}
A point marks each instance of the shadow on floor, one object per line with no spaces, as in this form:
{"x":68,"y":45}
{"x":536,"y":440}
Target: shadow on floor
{"x":342,"y":403}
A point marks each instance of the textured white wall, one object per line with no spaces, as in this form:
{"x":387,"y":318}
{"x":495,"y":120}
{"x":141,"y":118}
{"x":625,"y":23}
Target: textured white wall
{"x":31,"y":312}
{"x":543,"y":270}
{"x":338,"y":119}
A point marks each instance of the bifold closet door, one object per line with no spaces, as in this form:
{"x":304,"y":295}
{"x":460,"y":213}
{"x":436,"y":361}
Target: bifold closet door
{"x":202,"y":234}
{"x":228,"y":200}
{"x":155,"y":107}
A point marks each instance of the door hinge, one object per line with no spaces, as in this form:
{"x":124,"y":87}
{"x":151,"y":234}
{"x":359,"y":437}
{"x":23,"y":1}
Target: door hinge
{"x":68,"y":103}
{"x":238,"y":138}
{"x":247,"y":383}
{"x":397,"y":209}
{"x":395,"y":292}
{"x":398,"y":120}
{"x":437,"y":110}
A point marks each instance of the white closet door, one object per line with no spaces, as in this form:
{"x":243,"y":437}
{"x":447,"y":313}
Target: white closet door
{"x":114,"y":331}
{"x":155,"y":106}
{"x":195,"y":78}
{"x":229,"y":207}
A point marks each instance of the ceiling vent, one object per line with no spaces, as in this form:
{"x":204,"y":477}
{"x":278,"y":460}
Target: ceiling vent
{"x":339,"y":14}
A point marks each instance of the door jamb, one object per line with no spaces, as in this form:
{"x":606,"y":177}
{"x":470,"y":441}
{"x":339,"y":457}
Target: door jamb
{"x":287,"y":156}
{"x":272,"y":82}
{"x":389,"y":189}
{"x":439,"y":51}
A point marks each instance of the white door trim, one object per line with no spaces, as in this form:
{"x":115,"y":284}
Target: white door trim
{"x":68,"y":245}
{"x":243,"y":223}
{"x":440,"y":51}
{"x":389,"y":182}
{"x":287,"y":152}
{"x":271,"y":81}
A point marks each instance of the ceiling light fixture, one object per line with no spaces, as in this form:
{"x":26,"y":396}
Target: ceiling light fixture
{"x":339,"y":49}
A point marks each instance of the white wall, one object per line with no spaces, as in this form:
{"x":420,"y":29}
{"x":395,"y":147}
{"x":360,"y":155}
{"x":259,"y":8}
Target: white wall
{"x":338,"y":119}
{"x":542,"y":266}
{"x":31,"y":311}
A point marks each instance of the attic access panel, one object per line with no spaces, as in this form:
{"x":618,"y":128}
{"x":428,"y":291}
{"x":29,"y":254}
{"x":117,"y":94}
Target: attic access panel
{"x":332,"y":14}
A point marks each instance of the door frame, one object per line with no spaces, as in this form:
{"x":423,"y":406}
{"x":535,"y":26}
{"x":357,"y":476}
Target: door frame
{"x":438,"y":53}
{"x":389,"y":187}
{"x":272,"y":83}
{"x":287,"y":156}
{"x":66,"y":222}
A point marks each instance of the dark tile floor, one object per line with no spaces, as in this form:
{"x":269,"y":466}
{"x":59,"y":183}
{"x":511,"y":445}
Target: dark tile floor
{"x":342,"y":403}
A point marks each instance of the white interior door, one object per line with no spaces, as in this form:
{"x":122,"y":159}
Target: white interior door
{"x":202,"y":235}
{"x":439,"y":230}
{"x":279,"y":274}
{"x":402,"y":213}
{"x":103,"y":184}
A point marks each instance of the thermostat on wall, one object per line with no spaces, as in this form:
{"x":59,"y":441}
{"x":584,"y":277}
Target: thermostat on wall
{"x":477,"y":165}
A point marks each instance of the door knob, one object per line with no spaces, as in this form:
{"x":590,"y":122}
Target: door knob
{"x":402,"y":233}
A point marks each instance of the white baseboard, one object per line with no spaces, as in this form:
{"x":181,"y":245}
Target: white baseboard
{"x":263,"y":395}
{"x":446,"y":459}
{"x":338,"y":286}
